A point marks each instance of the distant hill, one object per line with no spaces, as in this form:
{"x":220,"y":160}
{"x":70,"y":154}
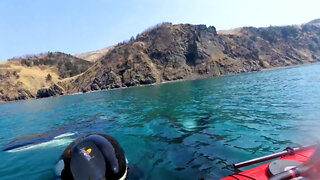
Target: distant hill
{"x":21,"y":78}
{"x":66,"y":64}
{"x":19,"y":82}
{"x":316,"y":21}
{"x":163,"y":53}
{"x":94,"y":55}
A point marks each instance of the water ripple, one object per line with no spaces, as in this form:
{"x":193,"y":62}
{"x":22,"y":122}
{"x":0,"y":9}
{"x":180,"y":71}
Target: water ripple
{"x":184,"y":130}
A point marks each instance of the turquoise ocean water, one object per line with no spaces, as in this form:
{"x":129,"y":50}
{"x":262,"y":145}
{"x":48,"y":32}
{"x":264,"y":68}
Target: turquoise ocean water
{"x":183,"y":130}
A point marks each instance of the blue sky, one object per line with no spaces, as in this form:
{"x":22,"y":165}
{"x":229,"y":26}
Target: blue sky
{"x":74,"y":26}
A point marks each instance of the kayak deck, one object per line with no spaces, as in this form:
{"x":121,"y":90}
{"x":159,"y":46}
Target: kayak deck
{"x":260,"y":172}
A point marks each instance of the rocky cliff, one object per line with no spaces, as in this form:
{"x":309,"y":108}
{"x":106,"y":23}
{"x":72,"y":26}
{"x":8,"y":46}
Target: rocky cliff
{"x":179,"y":52}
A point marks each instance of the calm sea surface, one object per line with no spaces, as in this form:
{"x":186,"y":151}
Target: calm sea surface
{"x":183,"y":130}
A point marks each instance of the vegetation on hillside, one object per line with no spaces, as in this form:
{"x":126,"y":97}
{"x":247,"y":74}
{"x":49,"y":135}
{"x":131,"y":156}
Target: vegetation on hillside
{"x":66,"y":64}
{"x":21,"y":78}
{"x":18,"y":82}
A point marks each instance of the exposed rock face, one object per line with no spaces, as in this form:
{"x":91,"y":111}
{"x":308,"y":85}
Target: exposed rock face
{"x":53,"y":90}
{"x":22,"y":94}
{"x":173,"y":52}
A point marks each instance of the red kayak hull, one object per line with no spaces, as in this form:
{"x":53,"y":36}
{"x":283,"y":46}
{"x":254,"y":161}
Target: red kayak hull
{"x":260,"y":172}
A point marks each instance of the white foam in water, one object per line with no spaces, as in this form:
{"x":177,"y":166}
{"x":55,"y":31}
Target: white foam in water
{"x":56,"y":141}
{"x":64,"y":135}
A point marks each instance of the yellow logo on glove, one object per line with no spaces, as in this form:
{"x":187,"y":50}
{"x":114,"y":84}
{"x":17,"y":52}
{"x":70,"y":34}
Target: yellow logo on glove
{"x":88,"y":151}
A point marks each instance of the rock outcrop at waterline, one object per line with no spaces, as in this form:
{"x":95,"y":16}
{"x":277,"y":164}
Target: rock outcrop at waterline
{"x":178,"y":52}
{"x":53,"y":90}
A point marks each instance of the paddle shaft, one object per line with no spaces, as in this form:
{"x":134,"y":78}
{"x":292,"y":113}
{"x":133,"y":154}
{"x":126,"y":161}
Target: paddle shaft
{"x":288,"y":151}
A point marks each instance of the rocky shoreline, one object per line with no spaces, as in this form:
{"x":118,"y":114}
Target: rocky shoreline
{"x":155,"y":84}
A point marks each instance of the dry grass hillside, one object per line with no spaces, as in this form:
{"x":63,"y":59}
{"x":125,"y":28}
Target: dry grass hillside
{"x":94,"y":55}
{"x":32,"y":76}
{"x":236,"y":31}
{"x":20,"y":82}
{"x":67,"y":65}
